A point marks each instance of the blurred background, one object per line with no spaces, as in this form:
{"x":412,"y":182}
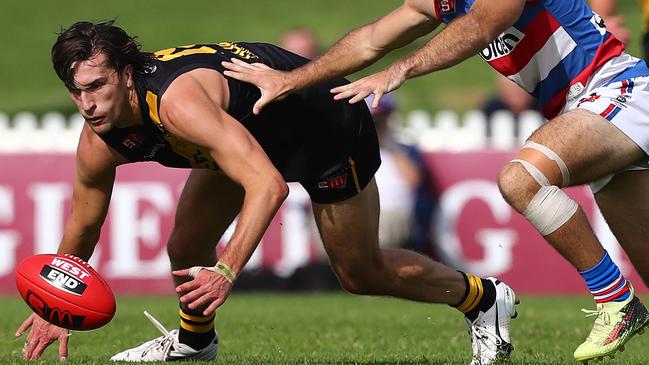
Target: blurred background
{"x":443,"y":139}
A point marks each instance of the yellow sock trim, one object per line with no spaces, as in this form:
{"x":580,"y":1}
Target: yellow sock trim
{"x":475,"y":294}
{"x":189,"y":317}
{"x":196,"y":329}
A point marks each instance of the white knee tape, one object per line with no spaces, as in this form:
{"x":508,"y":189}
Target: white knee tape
{"x":536,"y":173}
{"x":550,"y":209}
{"x":565,"y":173}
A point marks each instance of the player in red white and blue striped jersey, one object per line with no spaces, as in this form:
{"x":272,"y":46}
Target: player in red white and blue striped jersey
{"x":596,"y":95}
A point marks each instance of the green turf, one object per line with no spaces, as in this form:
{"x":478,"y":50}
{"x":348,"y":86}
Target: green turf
{"x":333,"y":329}
{"x":27,"y":29}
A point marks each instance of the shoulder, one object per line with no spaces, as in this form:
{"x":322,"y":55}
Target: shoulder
{"x":195,"y":89}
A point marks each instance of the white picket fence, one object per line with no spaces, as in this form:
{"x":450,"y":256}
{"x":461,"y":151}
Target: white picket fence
{"x":446,"y":130}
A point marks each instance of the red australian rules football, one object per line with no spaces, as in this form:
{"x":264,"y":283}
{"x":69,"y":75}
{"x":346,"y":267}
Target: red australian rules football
{"x":65,"y":291}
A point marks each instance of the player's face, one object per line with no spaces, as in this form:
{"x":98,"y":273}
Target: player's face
{"x":100,"y":94}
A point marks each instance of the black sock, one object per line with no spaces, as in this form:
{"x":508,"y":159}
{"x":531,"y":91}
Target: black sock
{"x":479,"y":296}
{"x":196,"y":330}
{"x":488,"y":299}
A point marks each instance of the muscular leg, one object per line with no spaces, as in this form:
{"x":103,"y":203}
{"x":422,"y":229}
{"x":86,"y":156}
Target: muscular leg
{"x":591,"y":147}
{"x":208,"y":204}
{"x":624,"y":202}
{"x":349,"y":231}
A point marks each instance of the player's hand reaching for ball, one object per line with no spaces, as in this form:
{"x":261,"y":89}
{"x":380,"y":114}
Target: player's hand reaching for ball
{"x":271,"y":83}
{"x":41,"y":335}
{"x":378,"y":84}
{"x":207,"y":289}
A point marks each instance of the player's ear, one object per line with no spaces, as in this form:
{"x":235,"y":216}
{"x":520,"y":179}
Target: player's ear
{"x":128,"y":75}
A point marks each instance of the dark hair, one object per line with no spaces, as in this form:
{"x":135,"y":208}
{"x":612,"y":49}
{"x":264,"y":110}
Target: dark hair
{"x":83,"y":40}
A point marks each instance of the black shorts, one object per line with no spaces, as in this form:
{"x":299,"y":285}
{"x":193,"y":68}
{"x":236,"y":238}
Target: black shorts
{"x":350,"y":177}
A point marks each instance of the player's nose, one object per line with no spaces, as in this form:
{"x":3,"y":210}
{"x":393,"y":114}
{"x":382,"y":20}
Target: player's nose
{"x":87,"y":103}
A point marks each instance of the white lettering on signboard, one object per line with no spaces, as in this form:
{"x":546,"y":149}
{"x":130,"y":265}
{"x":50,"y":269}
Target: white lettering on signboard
{"x":49,"y":202}
{"x":130,"y":226}
{"x":296,"y":231}
{"x":9,"y":239}
{"x":496,"y":242}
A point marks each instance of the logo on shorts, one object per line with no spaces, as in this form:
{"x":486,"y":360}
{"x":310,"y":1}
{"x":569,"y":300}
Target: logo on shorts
{"x":589,"y":99}
{"x":447,"y":7}
{"x":620,"y":100}
{"x":335,"y":182}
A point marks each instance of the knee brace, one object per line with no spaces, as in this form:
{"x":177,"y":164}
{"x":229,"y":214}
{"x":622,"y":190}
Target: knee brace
{"x":550,"y":208}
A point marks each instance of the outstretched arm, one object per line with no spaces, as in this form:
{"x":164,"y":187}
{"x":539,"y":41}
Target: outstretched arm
{"x":356,"y":50}
{"x":191,"y":110}
{"x":95,"y":174}
{"x":460,"y":40}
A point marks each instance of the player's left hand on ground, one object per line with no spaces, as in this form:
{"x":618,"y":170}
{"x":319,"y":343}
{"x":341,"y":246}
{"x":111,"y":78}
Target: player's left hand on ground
{"x":378,"y":84}
{"x":41,"y":335}
{"x":207,"y":290}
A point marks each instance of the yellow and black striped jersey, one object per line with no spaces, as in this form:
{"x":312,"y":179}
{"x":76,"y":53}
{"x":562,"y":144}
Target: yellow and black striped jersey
{"x":305,"y":135}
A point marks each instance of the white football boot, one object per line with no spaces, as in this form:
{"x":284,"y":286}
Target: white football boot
{"x":489,"y":332}
{"x":167,"y":348}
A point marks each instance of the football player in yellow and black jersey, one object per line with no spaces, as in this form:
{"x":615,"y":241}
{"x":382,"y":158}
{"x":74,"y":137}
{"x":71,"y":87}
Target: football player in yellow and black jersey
{"x":176,"y":107}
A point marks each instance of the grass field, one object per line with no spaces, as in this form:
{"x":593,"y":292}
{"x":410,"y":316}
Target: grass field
{"x":28,"y":28}
{"x":333,"y":329}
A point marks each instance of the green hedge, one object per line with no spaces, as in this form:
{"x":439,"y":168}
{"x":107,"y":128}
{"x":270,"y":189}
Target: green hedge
{"x":27,"y":31}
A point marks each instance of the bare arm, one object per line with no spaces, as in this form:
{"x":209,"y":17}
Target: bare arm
{"x":93,"y":184}
{"x":461,"y":39}
{"x":605,"y":8}
{"x":365,"y":45}
{"x":190,"y":110}
{"x":356,"y":50}
{"x":95,"y":173}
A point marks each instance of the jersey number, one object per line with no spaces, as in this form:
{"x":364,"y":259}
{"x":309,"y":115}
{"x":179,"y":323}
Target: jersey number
{"x":173,"y":53}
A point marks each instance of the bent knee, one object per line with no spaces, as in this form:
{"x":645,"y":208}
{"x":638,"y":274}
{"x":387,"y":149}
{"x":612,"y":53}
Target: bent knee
{"x":362,"y":282}
{"x":516,"y":185}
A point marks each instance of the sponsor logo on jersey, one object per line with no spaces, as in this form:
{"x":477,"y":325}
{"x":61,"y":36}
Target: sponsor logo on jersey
{"x":62,"y":280}
{"x":599,"y":23}
{"x":503,"y":45}
{"x":575,"y":91}
{"x":57,"y":316}
{"x":149,"y":69}
{"x":335,"y":182}
{"x":447,"y":7}
{"x":133,"y":141}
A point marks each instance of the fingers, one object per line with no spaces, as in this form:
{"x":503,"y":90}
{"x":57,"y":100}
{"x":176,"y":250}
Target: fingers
{"x":215,"y":304}
{"x":181,"y":273}
{"x":192,"y":296}
{"x":187,"y":287}
{"x":259,"y":105}
{"x":203,"y":301}
{"x":63,"y":346}
{"x":25,"y":326}
{"x":352,"y":92}
{"x":377,"y":99}
{"x":29,"y":350}
{"x":360,"y":96}
{"x":38,"y":350}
